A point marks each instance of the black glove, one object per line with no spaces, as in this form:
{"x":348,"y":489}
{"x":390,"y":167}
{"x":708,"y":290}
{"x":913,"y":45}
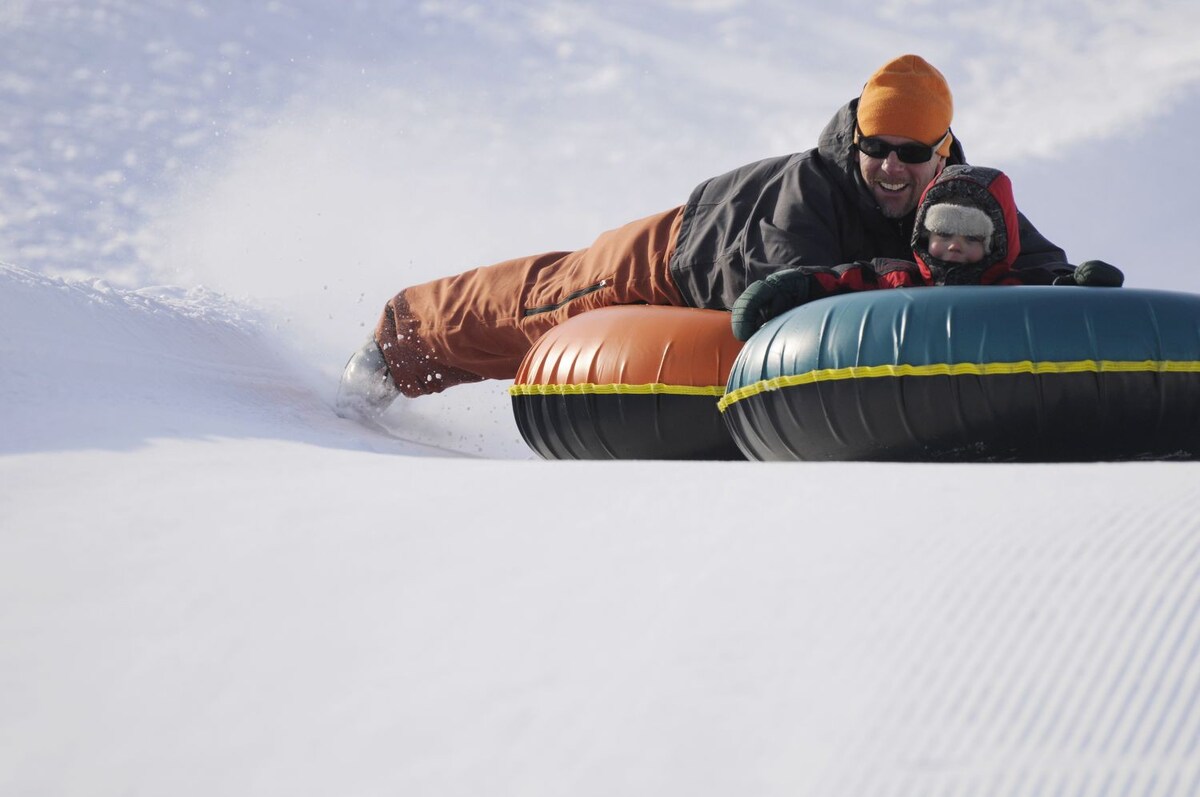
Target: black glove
{"x":767,"y":298}
{"x":1095,"y":274}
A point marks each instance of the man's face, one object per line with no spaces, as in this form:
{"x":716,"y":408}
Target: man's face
{"x":897,"y":185}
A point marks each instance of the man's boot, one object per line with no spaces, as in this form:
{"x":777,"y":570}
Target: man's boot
{"x":366,"y":389}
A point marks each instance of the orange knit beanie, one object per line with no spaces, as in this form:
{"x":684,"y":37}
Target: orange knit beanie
{"x":907,"y":97}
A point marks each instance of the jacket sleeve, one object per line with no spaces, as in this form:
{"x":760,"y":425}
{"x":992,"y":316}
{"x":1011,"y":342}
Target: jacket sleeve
{"x":1039,"y":253}
{"x":797,"y":221}
{"x":710,"y":264}
{"x":862,"y":275}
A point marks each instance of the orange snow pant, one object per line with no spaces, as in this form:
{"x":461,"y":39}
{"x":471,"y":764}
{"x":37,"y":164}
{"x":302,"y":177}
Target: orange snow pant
{"x":480,"y":324}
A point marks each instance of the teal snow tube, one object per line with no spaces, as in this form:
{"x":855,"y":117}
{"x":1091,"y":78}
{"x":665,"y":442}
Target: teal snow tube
{"x":973,"y":373}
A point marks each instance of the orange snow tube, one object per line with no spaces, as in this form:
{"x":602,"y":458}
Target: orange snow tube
{"x":629,"y":382}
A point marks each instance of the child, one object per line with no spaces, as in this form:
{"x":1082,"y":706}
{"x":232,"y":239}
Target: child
{"x":966,"y":232}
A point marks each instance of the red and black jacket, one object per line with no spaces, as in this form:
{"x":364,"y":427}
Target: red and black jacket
{"x":990,"y":190}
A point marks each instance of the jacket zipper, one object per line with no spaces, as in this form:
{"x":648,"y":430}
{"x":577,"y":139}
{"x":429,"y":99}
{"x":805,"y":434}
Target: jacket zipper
{"x":570,"y":297}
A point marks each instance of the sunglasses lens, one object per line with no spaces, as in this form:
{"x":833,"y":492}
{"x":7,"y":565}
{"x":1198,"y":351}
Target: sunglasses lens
{"x":874,"y":147}
{"x":914,"y":153}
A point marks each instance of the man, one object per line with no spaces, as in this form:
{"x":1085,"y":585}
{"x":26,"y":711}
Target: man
{"x":852,"y":198}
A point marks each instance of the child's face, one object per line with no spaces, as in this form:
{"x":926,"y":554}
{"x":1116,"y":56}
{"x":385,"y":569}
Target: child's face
{"x":956,"y":248}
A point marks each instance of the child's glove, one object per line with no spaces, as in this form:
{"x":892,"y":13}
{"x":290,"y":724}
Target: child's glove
{"x":767,"y":298}
{"x":1094,"y":273}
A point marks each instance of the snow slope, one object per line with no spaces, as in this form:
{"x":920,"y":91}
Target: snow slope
{"x":209,"y":584}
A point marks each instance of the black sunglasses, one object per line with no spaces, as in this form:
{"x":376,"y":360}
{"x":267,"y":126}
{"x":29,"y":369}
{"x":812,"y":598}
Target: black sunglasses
{"x":907,"y":153}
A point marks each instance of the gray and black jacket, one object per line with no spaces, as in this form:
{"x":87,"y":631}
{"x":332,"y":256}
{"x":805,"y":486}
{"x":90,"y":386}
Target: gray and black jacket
{"x":811,"y":208}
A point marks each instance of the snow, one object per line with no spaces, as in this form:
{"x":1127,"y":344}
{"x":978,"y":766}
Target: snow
{"x":210,"y":584}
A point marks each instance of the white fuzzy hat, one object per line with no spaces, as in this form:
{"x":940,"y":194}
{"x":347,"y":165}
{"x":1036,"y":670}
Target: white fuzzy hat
{"x":950,"y":219}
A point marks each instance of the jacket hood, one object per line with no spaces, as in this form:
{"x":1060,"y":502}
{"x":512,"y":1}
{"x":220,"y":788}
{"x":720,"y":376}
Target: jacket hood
{"x":836,"y":146}
{"x":988,"y":189}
